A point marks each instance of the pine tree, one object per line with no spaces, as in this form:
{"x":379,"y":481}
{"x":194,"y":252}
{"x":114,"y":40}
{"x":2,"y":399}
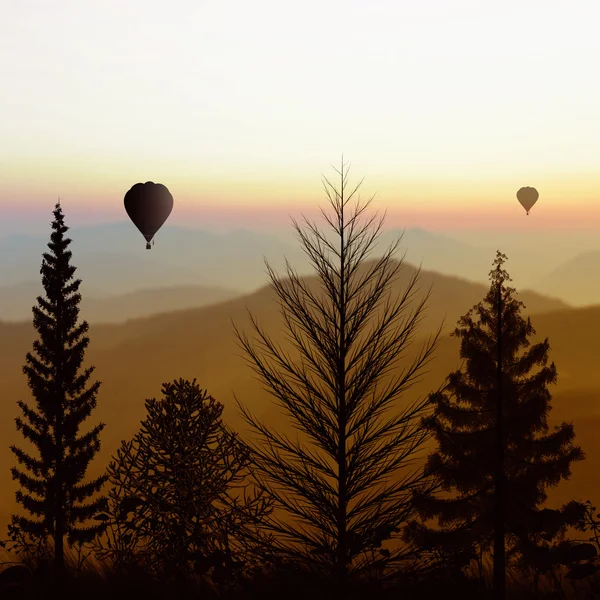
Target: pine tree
{"x":496,"y":454}
{"x":345,"y":489}
{"x":53,"y":490}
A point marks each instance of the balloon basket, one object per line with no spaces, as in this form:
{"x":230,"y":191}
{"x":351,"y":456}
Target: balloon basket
{"x":148,"y":246}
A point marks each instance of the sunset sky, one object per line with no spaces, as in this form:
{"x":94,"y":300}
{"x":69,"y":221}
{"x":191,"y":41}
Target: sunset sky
{"x":447,"y":108}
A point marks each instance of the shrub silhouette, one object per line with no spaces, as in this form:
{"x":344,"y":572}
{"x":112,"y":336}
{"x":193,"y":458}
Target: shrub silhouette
{"x":180,"y":505}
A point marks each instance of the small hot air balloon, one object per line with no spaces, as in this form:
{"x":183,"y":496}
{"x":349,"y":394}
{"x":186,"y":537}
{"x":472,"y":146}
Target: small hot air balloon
{"x":148,"y":206}
{"x":527,"y":196}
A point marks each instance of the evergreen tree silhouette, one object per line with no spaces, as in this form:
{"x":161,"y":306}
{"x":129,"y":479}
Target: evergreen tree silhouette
{"x":495,"y":453}
{"x":180,"y":502}
{"x":345,"y":488}
{"x":53,"y":490}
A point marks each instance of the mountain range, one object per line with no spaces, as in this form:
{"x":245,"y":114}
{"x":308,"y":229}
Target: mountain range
{"x":577,"y":280}
{"x":132,"y":359}
{"x":112,"y":261}
{"x":17,"y":300}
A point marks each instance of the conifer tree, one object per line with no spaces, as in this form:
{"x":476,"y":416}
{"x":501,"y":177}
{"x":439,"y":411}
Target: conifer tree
{"x":53,"y":490}
{"x":496,"y":454}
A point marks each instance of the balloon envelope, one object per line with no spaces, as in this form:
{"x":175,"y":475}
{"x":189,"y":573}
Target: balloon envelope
{"x":527,"y":196}
{"x":148,"y":206}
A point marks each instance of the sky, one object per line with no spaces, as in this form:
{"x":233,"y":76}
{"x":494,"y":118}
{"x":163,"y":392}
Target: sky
{"x":239,"y":108}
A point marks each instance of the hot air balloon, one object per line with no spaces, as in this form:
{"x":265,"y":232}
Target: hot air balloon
{"x":527,"y":196}
{"x":148,"y":206}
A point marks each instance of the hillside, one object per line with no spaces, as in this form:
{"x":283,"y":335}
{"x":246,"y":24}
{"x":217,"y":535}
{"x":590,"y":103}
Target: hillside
{"x":133,"y":359}
{"x":451,"y":298}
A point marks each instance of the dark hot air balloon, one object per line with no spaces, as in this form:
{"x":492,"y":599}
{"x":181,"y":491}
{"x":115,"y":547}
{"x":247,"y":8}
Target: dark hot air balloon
{"x":527,"y":196}
{"x":148,"y":206}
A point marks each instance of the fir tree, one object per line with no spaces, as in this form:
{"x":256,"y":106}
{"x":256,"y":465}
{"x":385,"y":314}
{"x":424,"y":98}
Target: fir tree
{"x":496,"y":454}
{"x":53,"y":490}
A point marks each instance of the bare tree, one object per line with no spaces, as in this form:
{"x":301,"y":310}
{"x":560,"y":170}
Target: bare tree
{"x":347,"y":486}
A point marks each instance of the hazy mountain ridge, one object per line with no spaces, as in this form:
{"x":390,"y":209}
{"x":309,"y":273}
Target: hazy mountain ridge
{"x":451,"y":298}
{"x":113,"y":258}
{"x":183,"y":256}
{"x":442,"y":254}
{"x":16,"y":301}
{"x":577,"y":280}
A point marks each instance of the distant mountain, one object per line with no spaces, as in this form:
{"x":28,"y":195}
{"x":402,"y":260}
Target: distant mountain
{"x":577,"y":280}
{"x":16,"y":301}
{"x":441,"y":254}
{"x":113,"y":258}
{"x":445,"y":254}
{"x":450,"y":298}
{"x":103,"y":274}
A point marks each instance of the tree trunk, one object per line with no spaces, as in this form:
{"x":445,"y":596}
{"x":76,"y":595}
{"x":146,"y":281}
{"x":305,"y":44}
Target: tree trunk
{"x":59,"y":516}
{"x":342,"y":541}
{"x":59,"y":529}
{"x":499,"y":586}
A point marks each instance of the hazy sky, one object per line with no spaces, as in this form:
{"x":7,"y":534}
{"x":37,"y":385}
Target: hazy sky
{"x":238,"y":107}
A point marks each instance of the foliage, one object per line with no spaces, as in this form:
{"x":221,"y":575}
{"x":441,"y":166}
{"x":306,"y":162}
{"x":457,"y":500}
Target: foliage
{"x":180,"y":504}
{"x":544,"y":549}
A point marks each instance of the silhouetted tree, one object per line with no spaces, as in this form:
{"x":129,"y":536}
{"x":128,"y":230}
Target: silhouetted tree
{"x":179,"y":504}
{"x":52,"y":484}
{"x":495,"y":453}
{"x":543,"y":549}
{"x":348,"y":487}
